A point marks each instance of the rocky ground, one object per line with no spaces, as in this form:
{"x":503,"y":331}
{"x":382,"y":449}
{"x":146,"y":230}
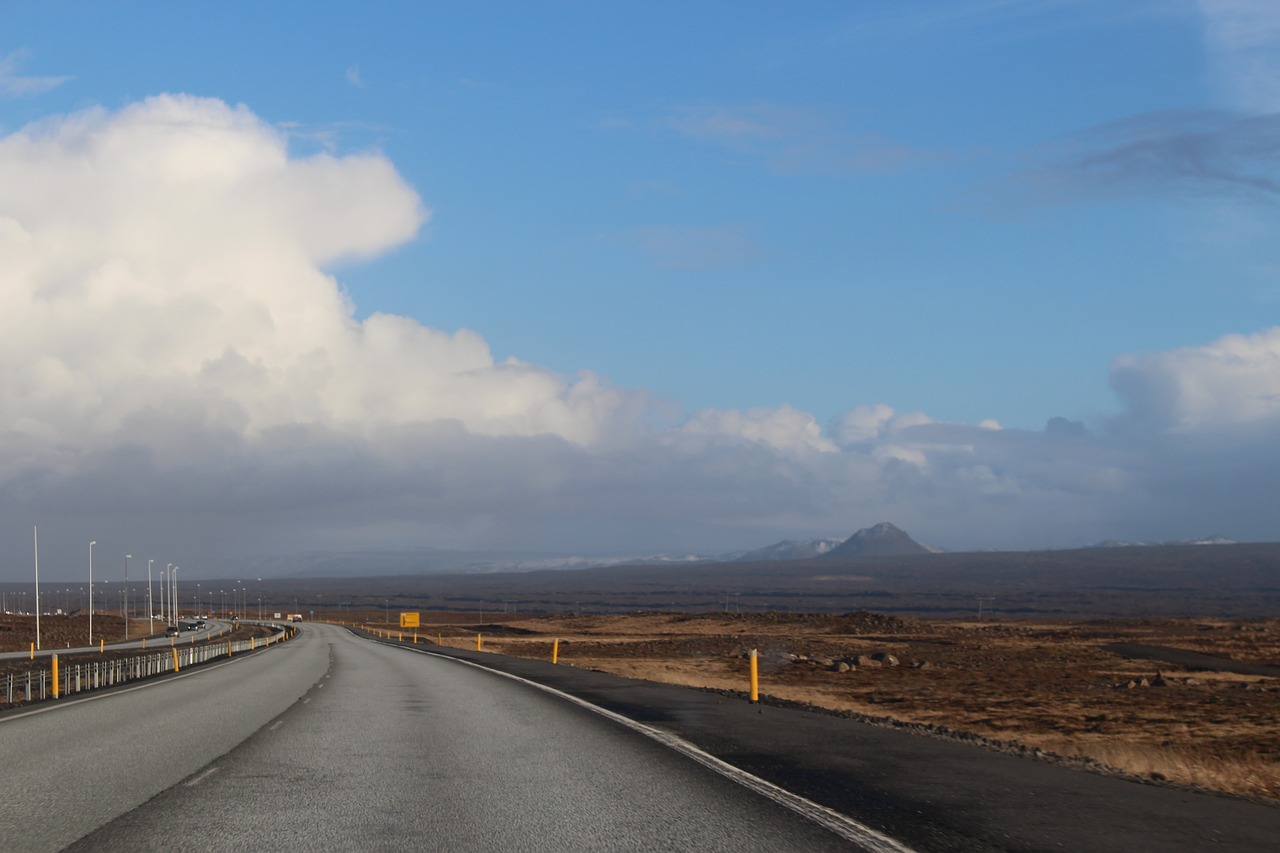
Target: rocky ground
{"x":18,"y":632}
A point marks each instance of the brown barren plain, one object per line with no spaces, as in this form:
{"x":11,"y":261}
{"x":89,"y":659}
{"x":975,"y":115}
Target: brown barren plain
{"x":1039,"y":686}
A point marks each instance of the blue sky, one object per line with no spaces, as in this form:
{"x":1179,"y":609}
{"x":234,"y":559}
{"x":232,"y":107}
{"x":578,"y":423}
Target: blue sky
{"x":970,"y":214}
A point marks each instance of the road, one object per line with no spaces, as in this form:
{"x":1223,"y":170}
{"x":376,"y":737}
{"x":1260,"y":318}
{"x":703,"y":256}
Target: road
{"x":212,"y":629}
{"x":387,"y":747}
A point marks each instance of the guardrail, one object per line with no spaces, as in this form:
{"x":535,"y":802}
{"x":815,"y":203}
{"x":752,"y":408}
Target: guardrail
{"x":69,"y":678}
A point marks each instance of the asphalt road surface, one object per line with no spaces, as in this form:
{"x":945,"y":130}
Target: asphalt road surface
{"x":70,"y":766}
{"x":393,"y":749}
{"x":388,"y":747}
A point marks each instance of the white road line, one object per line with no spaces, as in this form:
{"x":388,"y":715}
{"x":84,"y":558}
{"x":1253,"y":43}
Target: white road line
{"x":842,"y":825}
{"x":191,"y":783}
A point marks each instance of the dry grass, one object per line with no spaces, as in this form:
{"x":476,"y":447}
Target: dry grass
{"x":1049,"y":685}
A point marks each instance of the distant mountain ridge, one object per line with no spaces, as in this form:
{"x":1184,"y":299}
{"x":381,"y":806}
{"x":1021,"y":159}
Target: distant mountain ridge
{"x":880,"y":540}
{"x":1215,"y":539}
{"x":787,"y":549}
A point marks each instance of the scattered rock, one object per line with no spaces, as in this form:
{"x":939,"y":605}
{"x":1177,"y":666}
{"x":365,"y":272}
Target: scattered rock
{"x":840,"y":666}
{"x":866,"y":662}
{"x":885,"y":658}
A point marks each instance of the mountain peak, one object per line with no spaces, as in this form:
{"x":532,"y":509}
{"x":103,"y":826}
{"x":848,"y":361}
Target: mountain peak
{"x":880,"y":540}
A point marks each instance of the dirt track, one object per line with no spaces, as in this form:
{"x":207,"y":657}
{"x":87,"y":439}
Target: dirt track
{"x":1192,"y":661}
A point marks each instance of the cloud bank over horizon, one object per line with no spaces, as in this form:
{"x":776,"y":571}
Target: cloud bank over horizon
{"x":180,"y":364}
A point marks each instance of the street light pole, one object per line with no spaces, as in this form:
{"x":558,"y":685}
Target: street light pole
{"x":35,"y":532}
{"x":175,"y":595}
{"x":91,"y":544}
{"x":126,"y":595}
{"x":151,"y":611}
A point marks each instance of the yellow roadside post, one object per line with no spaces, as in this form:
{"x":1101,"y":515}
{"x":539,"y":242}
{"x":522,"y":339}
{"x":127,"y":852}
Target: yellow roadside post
{"x":144,"y":642}
{"x":175,"y":659}
{"x":55,"y":676}
{"x":755,"y":676}
{"x":228,"y":648}
{"x":555,"y":652}
{"x":439,"y":639}
{"x":477,"y":642}
{"x":415,"y":638}
{"x":102,"y":646}
{"x":33,"y":651}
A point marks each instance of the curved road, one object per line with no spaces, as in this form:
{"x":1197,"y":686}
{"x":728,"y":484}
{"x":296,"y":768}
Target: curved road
{"x":386,"y":749}
{"x":211,"y":629}
{"x":333,"y":742}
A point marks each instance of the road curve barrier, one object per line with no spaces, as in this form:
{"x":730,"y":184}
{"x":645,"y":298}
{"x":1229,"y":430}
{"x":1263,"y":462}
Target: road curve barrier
{"x":64,"y":678}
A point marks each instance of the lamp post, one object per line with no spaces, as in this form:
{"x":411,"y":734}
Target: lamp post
{"x":35,"y":537}
{"x":91,"y":544}
{"x":126,"y":595}
{"x":151,"y":611}
{"x":174,"y":598}
{"x":224,"y":603}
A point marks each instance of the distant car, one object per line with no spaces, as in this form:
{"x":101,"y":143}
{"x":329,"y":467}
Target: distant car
{"x":172,"y":631}
{"x":187,"y":626}
{"x":199,"y":623}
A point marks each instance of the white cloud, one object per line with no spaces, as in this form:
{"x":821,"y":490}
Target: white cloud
{"x":353,"y":76}
{"x":865,"y":424}
{"x":1231,"y":383}
{"x":784,"y":429}
{"x":14,"y":84}
{"x":173,"y":248}
{"x":176,"y":364}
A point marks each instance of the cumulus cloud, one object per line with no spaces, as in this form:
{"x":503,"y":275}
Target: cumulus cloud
{"x":784,"y":429}
{"x":179,"y":369}
{"x":174,"y":251}
{"x":1231,"y":383}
